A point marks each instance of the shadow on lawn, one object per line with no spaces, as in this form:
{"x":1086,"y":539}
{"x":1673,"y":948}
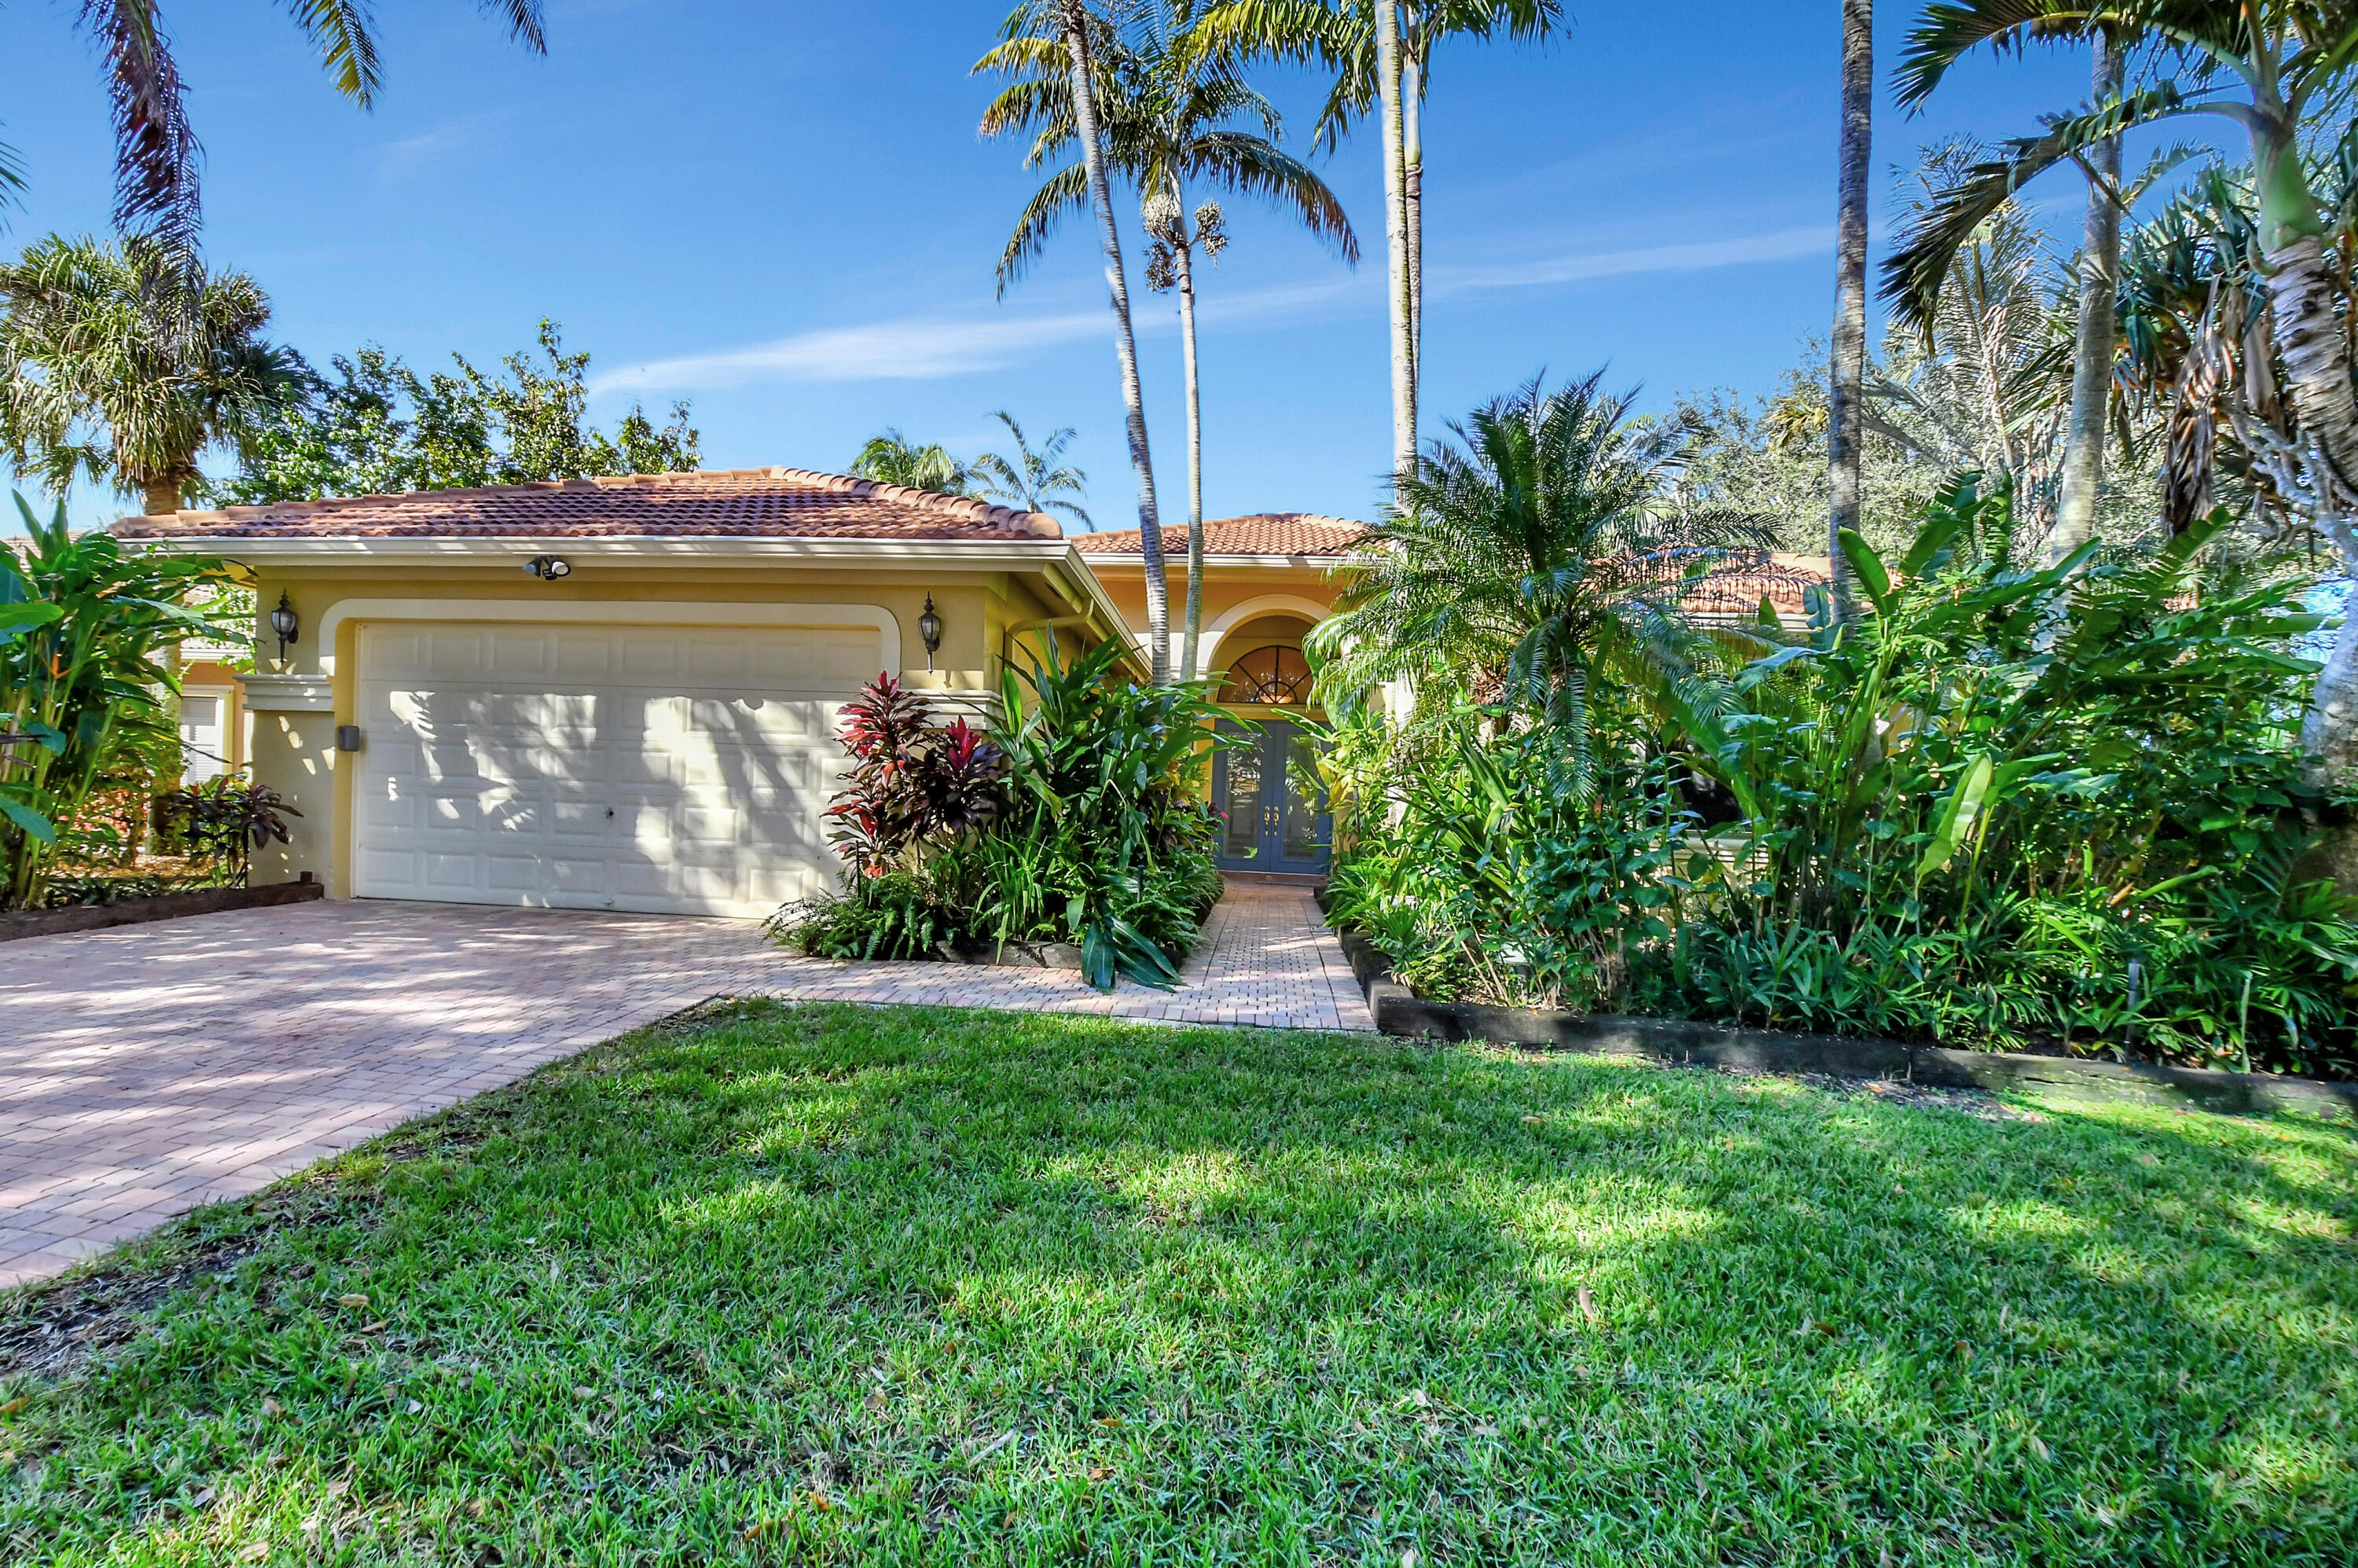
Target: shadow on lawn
{"x":899,"y":1283}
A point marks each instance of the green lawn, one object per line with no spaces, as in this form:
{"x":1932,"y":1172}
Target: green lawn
{"x":842,"y":1284}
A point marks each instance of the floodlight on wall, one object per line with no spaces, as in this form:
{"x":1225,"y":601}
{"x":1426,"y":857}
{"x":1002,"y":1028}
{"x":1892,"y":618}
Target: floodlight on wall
{"x":929,"y":631}
{"x":284,"y":623}
{"x":549,"y":569}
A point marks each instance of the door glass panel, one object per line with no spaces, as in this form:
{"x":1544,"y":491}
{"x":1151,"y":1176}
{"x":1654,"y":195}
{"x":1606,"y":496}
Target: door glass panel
{"x":1302,"y":840}
{"x":1241,"y":838}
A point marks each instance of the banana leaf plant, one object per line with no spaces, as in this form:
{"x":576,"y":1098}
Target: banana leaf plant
{"x":86,"y":627}
{"x":1878,"y":761}
{"x":1110,"y":770}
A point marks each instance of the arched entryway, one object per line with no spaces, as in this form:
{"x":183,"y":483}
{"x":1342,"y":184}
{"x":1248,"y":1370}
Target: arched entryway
{"x":1265,"y":784}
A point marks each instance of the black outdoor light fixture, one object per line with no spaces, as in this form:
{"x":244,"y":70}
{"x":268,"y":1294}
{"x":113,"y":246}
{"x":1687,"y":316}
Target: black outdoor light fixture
{"x":929,"y":631}
{"x":282,"y":623}
{"x":549,"y":569}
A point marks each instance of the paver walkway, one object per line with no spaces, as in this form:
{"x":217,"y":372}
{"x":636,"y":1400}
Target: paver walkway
{"x":151,"y":1068}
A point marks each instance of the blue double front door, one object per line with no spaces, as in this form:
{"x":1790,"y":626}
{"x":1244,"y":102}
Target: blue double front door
{"x":1272,"y":812}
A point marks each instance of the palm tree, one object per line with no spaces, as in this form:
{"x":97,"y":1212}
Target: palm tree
{"x":1347,"y":36}
{"x":1072,"y":25}
{"x":97,"y":381}
{"x":1845,"y":383}
{"x":1982,"y":386}
{"x":893,"y":459}
{"x":2264,"y":65}
{"x":1165,"y":115}
{"x":2091,"y":355}
{"x":1545,"y":555}
{"x":1036,"y":480}
{"x":156,"y":152}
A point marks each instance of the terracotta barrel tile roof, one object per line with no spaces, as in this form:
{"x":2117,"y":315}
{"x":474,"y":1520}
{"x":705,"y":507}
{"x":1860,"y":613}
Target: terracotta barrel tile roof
{"x":1781,"y":578}
{"x":1262,"y":534}
{"x":769,"y":502}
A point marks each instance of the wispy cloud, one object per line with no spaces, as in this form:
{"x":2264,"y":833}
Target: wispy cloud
{"x":412,"y":153}
{"x":929,"y":349}
{"x":912,"y":349}
{"x":1784,"y":244}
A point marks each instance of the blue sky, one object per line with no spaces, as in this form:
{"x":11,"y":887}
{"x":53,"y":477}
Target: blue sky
{"x":782,"y":213}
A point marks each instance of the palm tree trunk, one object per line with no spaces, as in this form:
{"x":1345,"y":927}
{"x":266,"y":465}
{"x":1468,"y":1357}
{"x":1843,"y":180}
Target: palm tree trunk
{"x":1844,"y":423}
{"x":1183,"y":256}
{"x":1073,"y":14}
{"x":2092,"y":362}
{"x":1387,"y":87}
{"x":1412,"y":204}
{"x":2317,"y":380}
{"x":2317,"y":374}
{"x":159,"y":496}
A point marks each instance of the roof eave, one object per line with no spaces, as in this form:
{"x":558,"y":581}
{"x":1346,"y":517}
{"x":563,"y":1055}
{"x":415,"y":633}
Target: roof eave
{"x":278,"y":550}
{"x":1213,"y":557}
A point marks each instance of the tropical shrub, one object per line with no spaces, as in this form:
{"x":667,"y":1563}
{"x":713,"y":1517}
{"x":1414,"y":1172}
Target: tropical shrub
{"x":84,"y":628}
{"x":1078,"y":819}
{"x":2011,"y":806}
{"x":224,"y":819}
{"x":1540,"y":558}
{"x":910,"y":782}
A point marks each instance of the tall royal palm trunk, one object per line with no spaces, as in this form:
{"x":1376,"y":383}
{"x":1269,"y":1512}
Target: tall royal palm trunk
{"x":1182,"y":259}
{"x":1388,"y":89}
{"x":1412,"y":214}
{"x":1074,"y":15}
{"x":1844,"y":426}
{"x":2092,"y":362}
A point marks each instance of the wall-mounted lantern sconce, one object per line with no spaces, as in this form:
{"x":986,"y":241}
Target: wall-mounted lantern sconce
{"x":284,"y":623}
{"x":549,"y":569}
{"x":929,"y":631}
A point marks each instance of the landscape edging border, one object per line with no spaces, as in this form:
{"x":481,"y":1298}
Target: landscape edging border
{"x":163,"y":906}
{"x":1684,"y":1043}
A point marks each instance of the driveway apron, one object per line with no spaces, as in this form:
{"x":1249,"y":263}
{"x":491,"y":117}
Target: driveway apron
{"x":149,"y":1069}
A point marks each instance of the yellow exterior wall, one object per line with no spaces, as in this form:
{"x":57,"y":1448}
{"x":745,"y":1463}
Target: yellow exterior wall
{"x":1225,"y":588}
{"x":205,"y":675}
{"x":1288,"y":602}
{"x":294,"y":752}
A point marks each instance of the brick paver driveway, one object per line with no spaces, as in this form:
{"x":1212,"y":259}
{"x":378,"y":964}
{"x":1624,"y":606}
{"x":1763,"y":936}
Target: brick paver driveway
{"x":149,"y":1069}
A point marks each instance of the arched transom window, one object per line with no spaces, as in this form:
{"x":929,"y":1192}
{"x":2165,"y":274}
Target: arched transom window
{"x":1277,"y":675}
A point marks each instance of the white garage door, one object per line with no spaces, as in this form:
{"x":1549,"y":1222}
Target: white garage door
{"x":659,"y":768}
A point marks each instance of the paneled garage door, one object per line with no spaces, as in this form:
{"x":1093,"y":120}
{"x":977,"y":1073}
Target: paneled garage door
{"x":658,"y":769}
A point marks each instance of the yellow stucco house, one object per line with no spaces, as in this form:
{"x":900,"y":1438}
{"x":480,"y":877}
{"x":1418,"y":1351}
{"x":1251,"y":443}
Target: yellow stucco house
{"x":623,"y":693}
{"x":1266,"y":581}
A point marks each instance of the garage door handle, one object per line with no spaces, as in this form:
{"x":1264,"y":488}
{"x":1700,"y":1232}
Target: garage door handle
{"x":610,"y":811}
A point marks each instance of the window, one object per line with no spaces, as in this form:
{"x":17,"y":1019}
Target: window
{"x":1276,"y":676}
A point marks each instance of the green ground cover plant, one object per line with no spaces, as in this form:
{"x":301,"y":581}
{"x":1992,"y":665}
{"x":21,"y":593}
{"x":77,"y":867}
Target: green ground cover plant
{"x":2010,"y":804}
{"x":833,"y":1285}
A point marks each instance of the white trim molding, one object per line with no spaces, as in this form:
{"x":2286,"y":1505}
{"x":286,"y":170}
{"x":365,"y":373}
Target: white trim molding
{"x":608,"y":612}
{"x":1253,"y":610}
{"x":289,"y":693}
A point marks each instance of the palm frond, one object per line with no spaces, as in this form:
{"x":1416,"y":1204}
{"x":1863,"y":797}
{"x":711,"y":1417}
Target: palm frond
{"x":528,"y":24}
{"x":340,"y":30}
{"x":1066,"y":190}
{"x":155,"y":150}
{"x":1240,"y":161}
{"x":1913,"y":275}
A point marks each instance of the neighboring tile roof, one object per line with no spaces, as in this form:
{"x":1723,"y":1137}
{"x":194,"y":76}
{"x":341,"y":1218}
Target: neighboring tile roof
{"x":1262,"y":534}
{"x":770,"y":503}
{"x":1782,"y":578}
